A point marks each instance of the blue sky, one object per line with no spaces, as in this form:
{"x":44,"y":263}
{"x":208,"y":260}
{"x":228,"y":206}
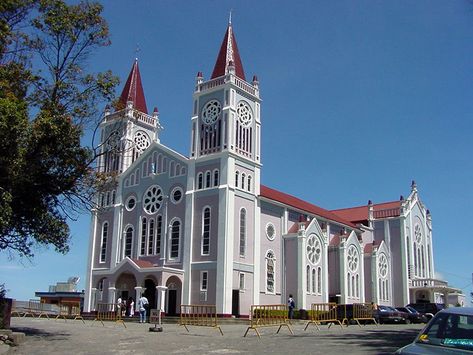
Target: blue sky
{"x":359,"y":98}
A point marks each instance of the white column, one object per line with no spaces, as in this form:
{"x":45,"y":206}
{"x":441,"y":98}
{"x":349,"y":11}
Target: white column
{"x":111,"y":296}
{"x":138,"y":292}
{"x":93,"y":299}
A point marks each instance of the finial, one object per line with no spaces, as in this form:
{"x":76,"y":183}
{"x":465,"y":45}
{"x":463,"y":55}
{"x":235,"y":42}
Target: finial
{"x":137,"y":49}
{"x":230,"y":18}
{"x":370,"y":202}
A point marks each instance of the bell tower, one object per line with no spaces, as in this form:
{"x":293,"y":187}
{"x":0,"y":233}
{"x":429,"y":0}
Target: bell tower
{"x":226,"y":112}
{"x":226,"y":155}
{"x":128,"y":131}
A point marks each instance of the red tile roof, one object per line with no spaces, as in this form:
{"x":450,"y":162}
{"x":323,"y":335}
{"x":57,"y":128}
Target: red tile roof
{"x":142,"y":264}
{"x":292,"y":201}
{"x":133,"y":90}
{"x":228,"y":53}
{"x":360,"y":213}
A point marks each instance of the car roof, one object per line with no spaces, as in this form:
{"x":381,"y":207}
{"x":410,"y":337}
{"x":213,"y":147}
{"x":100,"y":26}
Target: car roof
{"x":467,"y":311}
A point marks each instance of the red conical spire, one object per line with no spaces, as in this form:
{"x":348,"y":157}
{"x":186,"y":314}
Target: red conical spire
{"x":133,"y":90}
{"x":228,"y":53}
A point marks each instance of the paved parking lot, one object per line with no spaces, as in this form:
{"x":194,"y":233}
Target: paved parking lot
{"x":59,"y":337}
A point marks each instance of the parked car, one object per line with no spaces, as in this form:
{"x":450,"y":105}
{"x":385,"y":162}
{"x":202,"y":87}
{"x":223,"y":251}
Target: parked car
{"x":412,"y":315}
{"x":429,"y":309}
{"x":386,"y":314}
{"x":449,"y":332}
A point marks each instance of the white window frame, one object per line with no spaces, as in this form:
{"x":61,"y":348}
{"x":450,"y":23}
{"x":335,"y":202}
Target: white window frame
{"x":202,"y":279}
{"x":203,"y":231}
{"x":103,"y":246}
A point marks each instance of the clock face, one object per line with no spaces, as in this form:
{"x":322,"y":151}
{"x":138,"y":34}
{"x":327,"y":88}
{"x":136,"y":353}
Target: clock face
{"x":245,"y":115}
{"x":211,"y":111}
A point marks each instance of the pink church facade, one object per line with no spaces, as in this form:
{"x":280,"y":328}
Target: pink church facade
{"x":205,"y":227}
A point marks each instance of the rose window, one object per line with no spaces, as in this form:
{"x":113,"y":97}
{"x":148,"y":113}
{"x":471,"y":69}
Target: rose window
{"x":418,"y":233}
{"x":244,"y":114}
{"x":352,"y":259}
{"x":141,"y":141}
{"x":211,"y":111}
{"x":153,"y":199}
{"x":313,"y":249}
{"x":270,"y":231}
{"x":383,"y":266}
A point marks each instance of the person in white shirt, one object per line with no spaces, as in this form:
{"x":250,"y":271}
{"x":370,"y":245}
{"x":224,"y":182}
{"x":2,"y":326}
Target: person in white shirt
{"x":143,"y":305}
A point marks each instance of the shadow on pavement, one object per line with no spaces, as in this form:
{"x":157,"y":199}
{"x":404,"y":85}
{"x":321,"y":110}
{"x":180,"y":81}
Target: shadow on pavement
{"x":34,"y":332}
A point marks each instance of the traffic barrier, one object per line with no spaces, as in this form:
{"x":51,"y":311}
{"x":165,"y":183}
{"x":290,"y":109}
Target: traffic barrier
{"x":199,"y":315}
{"x":18,"y":308}
{"x":364,"y":312}
{"x":69,"y":310}
{"x":323,"y":313}
{"x":268,"y":316}
{"x":35,"y":308}
{"x":108,"y":312}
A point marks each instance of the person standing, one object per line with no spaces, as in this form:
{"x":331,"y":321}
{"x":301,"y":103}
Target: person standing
{"x":290,"y":306}
{"x":131,"y":304}
{"x":119,"y":306}
{"x":143,"y":304}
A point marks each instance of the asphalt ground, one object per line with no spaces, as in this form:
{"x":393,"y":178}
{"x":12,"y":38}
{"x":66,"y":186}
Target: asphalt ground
{"x":48,"y":336}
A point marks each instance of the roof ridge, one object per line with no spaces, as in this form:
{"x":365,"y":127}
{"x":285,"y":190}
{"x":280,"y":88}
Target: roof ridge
{"x":303,"y":205}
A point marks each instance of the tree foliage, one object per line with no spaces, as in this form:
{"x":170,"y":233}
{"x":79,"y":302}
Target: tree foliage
{"x":47,"y":98}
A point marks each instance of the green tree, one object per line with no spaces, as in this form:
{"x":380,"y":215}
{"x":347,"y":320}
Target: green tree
{"x":47,"y":99}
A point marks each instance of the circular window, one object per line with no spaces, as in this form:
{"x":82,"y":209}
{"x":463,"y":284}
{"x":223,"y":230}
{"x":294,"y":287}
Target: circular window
{"x":130,"y":203}
{"x":141,"y":141}
{"x":176,"y":195}
{"x":352,"y":258}
{"x":211,"y":111}
{"x":383,"y":266}
{"x":153,"y":199}
{"x":270,"y":231}
{"x":313,"y":249}
{"x":245,"y":116}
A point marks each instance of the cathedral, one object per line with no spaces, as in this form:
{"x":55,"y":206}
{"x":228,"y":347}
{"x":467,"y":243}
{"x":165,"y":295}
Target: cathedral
{"x":204,"y":228}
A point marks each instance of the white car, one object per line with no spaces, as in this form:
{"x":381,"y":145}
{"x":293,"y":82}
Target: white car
{"x":449,"y":332}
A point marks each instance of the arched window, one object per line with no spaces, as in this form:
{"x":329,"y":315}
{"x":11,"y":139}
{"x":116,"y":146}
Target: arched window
{"x":216,"y":178}
{"x":207,"y":179}
{"x":349,"y":285}
{"x":206,"y":231}
{"x":319,"y":280}
{"x":243,"y":176}
{"x":237,"y":174}
{"x":314,"y":281}
{"x":128,"y":241}
{"x":159,"y":232}
{"x":171,"y":168}
{"x":175,"y":239}
{"x":353,"y":285}
{"x":270,"y":267}
{"x":242,"y":232}
{"x":103,"y":244}
{"x":307,"y":278}
{"x":357,"y":285}
{"x":249,"y":183}
{"x":151,"y":237}
{"x":200,"y":181}
{"x":382,"y":277}
{"x":143,"y":236}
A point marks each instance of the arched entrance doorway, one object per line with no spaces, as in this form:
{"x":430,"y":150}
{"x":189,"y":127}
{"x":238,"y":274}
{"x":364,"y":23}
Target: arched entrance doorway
{"x":422,"y":296}
{"x":125,"y":285}
{"x":173,"y":299}
{"x":150,"y":292}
